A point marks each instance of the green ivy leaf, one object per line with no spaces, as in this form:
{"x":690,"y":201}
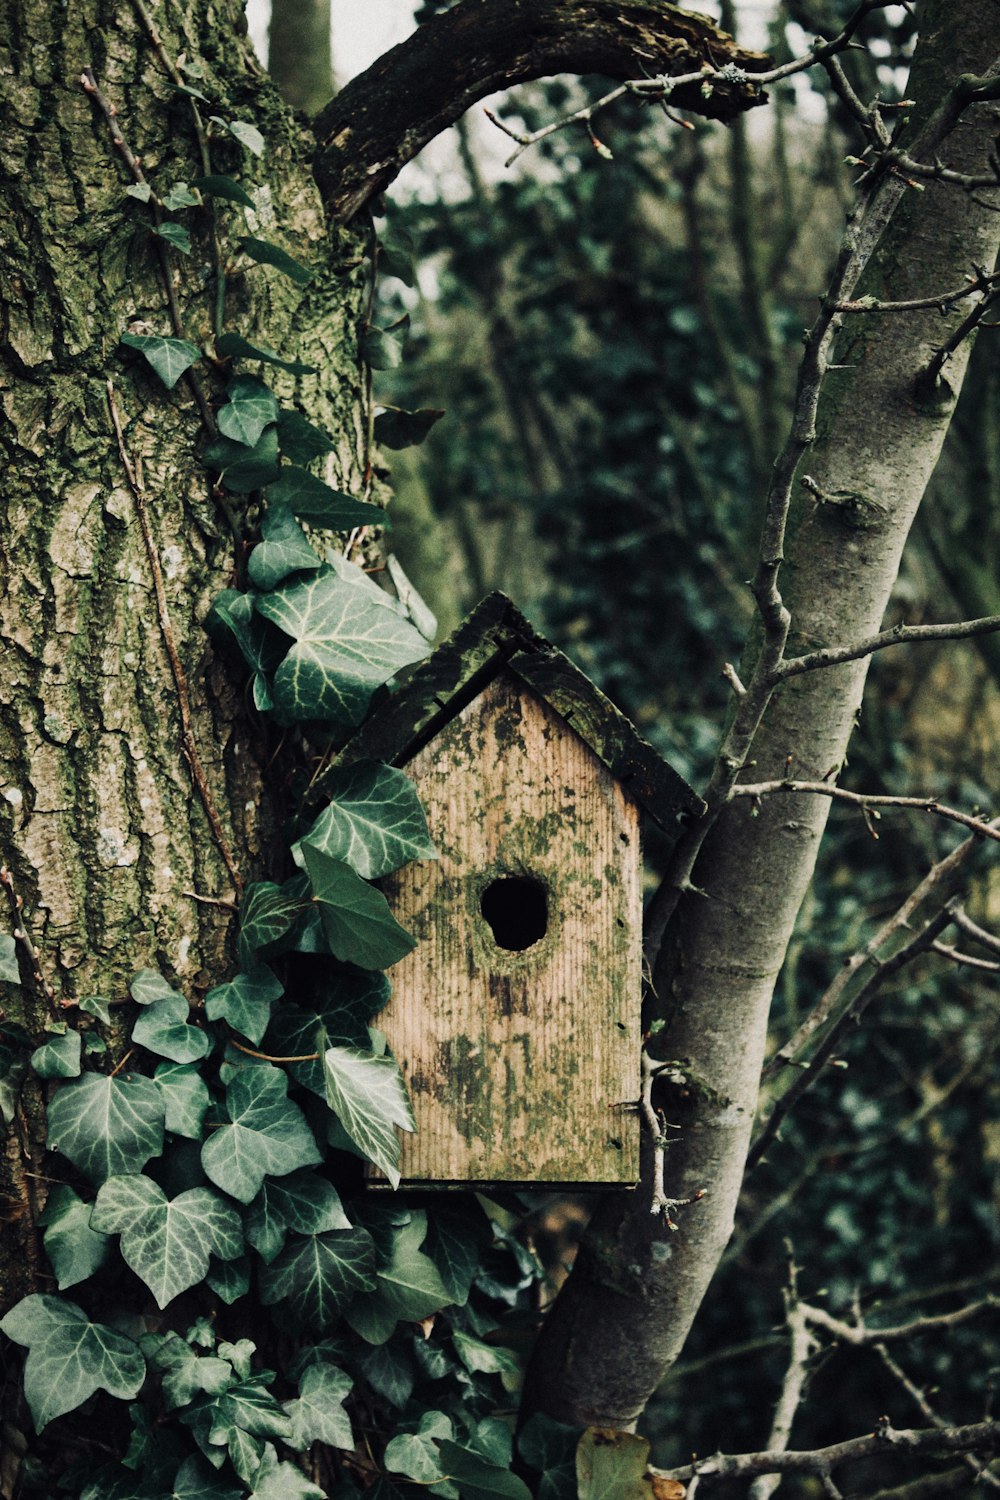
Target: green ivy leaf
{"x":164,"y":1029}
{"x":185,"y":1098}
{"x":69,"y":1358}
{"x":316,"y":1276}
{"x":140,"y":190}
{"x":248,"y":135}
{"x":74,"y":1249}
{"x":223,"y":187}
{"x":176,"y":235}
{"x":457,"y":1240}
{"x":279,"y":1480}
{"x":395,"y":257}
{"x":368,"y":1096}
{"x":229,"y":1280}
{"x":167,"y":1242}
{"x":415,"y":1454}
{"x":382,"y":348}
{"x":374,"y":822}
{"x":268,"y":913}
{"x":284,"y":549}
{"x":339,"y":1019}
{"x":185,"y":1372}
{"x":59,"y":1057}
{"x":261,"y":644}
{"x":309,"y":498}
{"x":302,"y":1203}
{"x":612,"y":1466}
{"x":408,"y":1288}
{"x":477,"y":1478}
{"x":241,"y":469}
{"x":300,"y":441}
{"x":196,"y":1482}
{"x":179,"y":196}
{"x":9,"y":971}
{"x":149,"y":985}
{"x":349,"y":639}
{"x":245,"y":1001}
{"x":234,"y":1422}
{"x":357,"y":922}
{"x":549,"y":1447}
{"x":107,"y":1126}
{"x":235,"y":346}
{"x":13,"y":1071}
{"x":267,"y":254}
{"x":169,"y":358}
{"x":98,"y":1006}
{"x":318,"y":1416}
{"x":267,"y":1135}
{"x":395,"y":428}
{"x":483,"y":1359}
{"x":389,"y":1372}
{"x":250,"y":408}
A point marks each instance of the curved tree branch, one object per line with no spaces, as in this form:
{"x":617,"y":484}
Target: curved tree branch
{"x":385,"y":116}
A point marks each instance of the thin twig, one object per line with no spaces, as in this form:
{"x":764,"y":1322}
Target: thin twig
{"x":801,"y":1347}
{"x":898,"y":635}
{"x":267,"y":1056}
{"x":966,"y":959}
{"x":22,"y":935}
{"x":653,"y":1124}
{"x":978,"y":283}
{"x":928,"y":1413}
{"x":868,"y":800}
{"x":860,"y":1335}
{"x":964,"y":923}
{"x":188,"y":743}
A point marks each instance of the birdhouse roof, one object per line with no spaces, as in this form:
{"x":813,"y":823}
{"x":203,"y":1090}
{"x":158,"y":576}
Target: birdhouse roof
{"x":496,"y":637}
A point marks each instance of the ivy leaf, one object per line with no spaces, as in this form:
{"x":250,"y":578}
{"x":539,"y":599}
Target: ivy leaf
{"x":235,"y":346}
{"x":339,"y":1019}
{"x":235,"y":1420}
{"x":98,"y":1006}
{"x":309,"y":498}
{"x":195,"y":1482}
{"x":357,"y":922}
{"x":169,"y":358}
{"x":223,"y":187}
{"x":482,"y":1359}
{"x":179,"y":196}
{"x":164,"y":1029}
{"x":267,"y":913}
{"x":229,"y":1280}
{"x":302,"y":1203}
{"x":267,"y":1136}
{"x":415,"y":1455}
{"x":9,"y":971}
{"x":301,"y":442}
{"x":278,"y":1480}
{"x":395,"y":428}
{"x":185,"y":1372}
{"x":167,"y":1242}
{"x":382,"y":348}
{"x":74,"y":1249}
{"x":284,"y":549}
{"x":408,"y":1288}
{"x":318,"y":1416}
{"x":374,"y":822}
{"x":389,"y":1372}
{"x":477,"y":1478}
{"x":245,"y":1001}
{"x":174,"y":234}
{"x":13,"y":1070}
{"x":611,"y":1465}
{"x":261,"y":644}
{"x":272,"y":255}
{"x":107,"y":1126}
{"x":185,"y":1098}
{"x":69,"y":1358}
{"x":368,"y":1096}
{"x":316,"y":1276}
{"x":241,"y":469}
{"x":349,"y":639}
{"x":457,"y":1240}
{"x":250,"y":408}
{"x":149,"y":985}
{"x":248,"y":135}
{"x":59,"y":1057}
{"x":140,"y":190}
{"x":549,"y":1447}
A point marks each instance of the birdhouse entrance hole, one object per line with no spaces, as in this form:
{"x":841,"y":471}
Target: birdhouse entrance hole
{"x":517,"y":910}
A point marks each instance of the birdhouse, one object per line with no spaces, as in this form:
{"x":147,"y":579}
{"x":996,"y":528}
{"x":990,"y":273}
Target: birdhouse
{"x":516,"y":1020}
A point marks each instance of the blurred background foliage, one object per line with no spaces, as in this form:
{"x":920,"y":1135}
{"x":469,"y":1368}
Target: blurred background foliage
{"x":614,"y":343}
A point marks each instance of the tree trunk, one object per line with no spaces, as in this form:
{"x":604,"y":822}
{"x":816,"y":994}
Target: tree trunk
{"x":298,"y":52}
{"x":626,"y":1310}
{"x":101,"y":823}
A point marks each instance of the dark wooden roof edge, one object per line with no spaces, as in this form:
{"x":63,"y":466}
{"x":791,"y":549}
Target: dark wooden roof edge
{"x":496,"y":635}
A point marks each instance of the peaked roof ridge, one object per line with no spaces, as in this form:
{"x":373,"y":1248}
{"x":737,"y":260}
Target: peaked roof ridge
{"x":497,"y":636}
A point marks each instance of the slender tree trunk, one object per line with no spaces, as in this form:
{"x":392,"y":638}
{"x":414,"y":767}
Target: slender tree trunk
{"x":298,"y":56}
{"x":626,"y":1310}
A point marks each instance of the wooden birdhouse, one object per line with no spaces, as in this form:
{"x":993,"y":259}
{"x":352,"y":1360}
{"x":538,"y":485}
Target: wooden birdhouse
{"x":516,"y":1020}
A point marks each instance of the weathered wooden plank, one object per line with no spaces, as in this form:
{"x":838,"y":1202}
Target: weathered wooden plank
{"x":516,"y":1057}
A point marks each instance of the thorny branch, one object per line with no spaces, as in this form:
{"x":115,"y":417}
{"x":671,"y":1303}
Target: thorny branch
{"x":656,"y":1128}
{"x":802,"y":1345}
{"x":897,"y":635}
{"x":868,"y":801}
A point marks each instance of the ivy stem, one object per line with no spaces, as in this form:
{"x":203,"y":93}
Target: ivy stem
{"x":118,"y":1066}
{"x":188,"y":744}
{"x":267,"y":1057}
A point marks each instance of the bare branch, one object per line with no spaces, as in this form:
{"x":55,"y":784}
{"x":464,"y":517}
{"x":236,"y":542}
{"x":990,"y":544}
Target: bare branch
{"x":898,"y":635}
{"x":973,"y":930}
{"x":956,"y":957}
{"x":977,"y":283}
{"x":859,"y":1335}
{"x":867,"y":801}
{"x":801,"y":1347}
